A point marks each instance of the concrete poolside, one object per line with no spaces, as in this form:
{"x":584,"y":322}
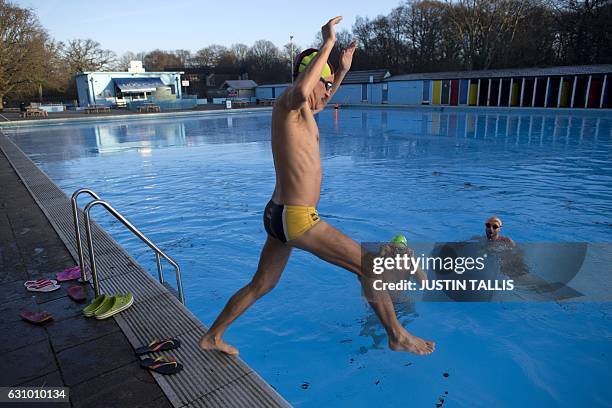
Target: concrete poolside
{"x":95,"y":358}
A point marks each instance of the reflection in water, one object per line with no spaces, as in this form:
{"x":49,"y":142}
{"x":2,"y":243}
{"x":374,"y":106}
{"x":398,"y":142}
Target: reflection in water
{"x":507,"y":130}
{"x":111,"y":139}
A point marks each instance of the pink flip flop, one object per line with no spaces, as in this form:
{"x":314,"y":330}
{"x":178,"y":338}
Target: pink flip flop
{"x":77,"y":293}
{"x":69,"y":274}
{"x":43,"y":287}
{"x":39,"y":282}
{"x":35,"y":317}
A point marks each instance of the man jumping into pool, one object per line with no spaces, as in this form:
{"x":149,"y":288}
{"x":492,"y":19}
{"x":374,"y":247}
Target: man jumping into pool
{"x":290,"y":218}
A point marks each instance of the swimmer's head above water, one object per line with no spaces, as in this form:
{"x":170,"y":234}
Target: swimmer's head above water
{"x":493,"y":227}
{"x":400,"y":241}
{"x":322,"y":92}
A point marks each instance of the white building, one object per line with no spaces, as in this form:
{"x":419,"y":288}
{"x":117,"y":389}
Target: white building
{"x":119,"y":88}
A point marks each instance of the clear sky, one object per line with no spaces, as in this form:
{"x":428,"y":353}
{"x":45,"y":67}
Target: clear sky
{"x":138,"y":25}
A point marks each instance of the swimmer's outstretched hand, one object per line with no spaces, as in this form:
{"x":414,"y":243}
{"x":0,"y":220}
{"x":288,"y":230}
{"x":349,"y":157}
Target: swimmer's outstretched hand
{"x":346,"y":56}
{"x":328,"y":31}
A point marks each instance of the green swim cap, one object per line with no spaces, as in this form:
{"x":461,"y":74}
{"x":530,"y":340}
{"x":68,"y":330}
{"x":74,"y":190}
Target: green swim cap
{"x":327,"y":71}
{"x":400,"y":240}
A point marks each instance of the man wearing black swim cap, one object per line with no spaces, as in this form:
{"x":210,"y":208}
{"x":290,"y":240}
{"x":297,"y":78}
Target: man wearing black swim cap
{"x":290,"y":217}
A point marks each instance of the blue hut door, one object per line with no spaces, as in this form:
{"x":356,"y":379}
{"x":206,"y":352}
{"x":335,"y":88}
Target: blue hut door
{"x":385,"y":93}
{"x":463,"y":91}
{"x":426,"y":92}
{"x":364,"y":92}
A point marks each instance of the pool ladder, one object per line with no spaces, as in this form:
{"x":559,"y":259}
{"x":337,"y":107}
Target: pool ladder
{"x":90,"y":244}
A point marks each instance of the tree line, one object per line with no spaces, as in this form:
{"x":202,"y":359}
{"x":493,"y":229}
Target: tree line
{"x":416,"y":36}
{"x":431,"y":36}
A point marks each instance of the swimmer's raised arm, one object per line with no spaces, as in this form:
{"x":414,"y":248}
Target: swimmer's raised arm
{"x":309,"y":78}
{"x":346,"y":59}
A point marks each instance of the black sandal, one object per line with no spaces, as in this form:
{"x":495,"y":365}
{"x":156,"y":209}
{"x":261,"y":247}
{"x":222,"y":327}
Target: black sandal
{"x":161,"y":365}
{"x":158,"y":345}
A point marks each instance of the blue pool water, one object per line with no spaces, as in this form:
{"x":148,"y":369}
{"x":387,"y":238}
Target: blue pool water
{"x":197,"y":187}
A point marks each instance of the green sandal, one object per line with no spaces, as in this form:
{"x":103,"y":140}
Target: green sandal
{"x":118,"y":303}
{"x":90,"y":309}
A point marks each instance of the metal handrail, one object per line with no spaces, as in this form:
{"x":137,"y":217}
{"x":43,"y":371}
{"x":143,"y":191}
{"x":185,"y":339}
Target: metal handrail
{"x":92,"y":260}
{"x":75,"y":219}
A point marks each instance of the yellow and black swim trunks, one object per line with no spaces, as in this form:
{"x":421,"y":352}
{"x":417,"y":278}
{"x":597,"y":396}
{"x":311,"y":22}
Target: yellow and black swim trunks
{"x":287,"y":222}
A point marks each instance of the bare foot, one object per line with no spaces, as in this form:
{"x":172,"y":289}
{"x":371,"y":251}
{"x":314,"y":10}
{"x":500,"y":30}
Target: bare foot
{"x":412,"y":344}
{"x":210,"y":343}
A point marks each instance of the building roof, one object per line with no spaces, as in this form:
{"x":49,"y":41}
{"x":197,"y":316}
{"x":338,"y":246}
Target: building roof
{"x":239,"y":84}
{"x":372,"y":75}
{"x":508,"y":73}
{"x":273,"y":85}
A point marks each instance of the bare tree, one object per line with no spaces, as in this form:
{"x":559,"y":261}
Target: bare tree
{"x":184,"y":57}
{"x":241,"y":51}
{"x":83,"y":55}
{"x":158,"y":60}
{"x":423,"y":26}
{"x":23,"y":50}
{"x":209,"y":56}
{"x":264,"y":50}
{"x":265,"y":62}
{"x":57,"y":76}
{"x":289,"y":51}
{"x":583,"y":30}
{"x":485,"y":28}
{"x":123,"y":63}
{"x":534,"y":43}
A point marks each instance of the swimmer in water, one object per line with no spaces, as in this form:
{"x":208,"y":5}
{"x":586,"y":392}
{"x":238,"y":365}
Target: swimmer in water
{"x":290,"y":217}
{"x":513,"y":265}
{"x":512,"y":261}
{"x":493,"y":230}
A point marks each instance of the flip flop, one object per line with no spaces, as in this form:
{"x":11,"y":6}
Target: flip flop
{"x":77,"y":293}
{"x":158,"y":345}
{"x":43,"y":287}
{"x":39,"y":281}
{"x":161,"y":365}
{"x":69,"y":274}
{"x":116,"y":304}
{"x":35,"y":317}
{"x":90,"y":309}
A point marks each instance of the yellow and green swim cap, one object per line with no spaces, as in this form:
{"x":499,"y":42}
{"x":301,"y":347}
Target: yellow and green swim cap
{"x":306,"y":58}
{"x":400,"y":240}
